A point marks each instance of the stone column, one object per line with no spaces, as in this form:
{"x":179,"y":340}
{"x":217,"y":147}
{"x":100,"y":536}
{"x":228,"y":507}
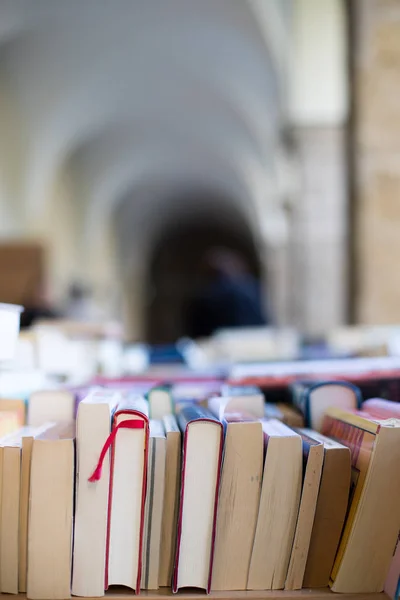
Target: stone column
{"x":377,"y":160}
{"x":317,"y":117}
{"x":318,"y":237}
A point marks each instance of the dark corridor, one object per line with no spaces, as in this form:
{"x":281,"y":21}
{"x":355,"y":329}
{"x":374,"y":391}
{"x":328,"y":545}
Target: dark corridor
{"x":175,"y":271}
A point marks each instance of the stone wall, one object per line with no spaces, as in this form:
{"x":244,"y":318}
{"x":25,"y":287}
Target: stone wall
{"x":318,"y":231}
{"x":377,"y":160}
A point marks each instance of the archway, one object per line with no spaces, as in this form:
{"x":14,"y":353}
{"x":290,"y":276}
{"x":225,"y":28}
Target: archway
{"x":174,"y":267}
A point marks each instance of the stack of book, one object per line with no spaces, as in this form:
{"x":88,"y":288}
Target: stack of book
{"x":376,"y":377}
{"x":212,"y":494}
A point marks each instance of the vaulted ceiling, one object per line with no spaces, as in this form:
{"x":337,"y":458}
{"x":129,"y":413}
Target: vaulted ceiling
{"x":132,"y":93}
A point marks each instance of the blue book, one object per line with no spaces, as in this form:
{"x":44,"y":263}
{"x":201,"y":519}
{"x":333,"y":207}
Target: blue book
{"x":313,"y":398}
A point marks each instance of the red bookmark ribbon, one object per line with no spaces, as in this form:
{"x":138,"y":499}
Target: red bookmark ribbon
{"x":130,"y":424}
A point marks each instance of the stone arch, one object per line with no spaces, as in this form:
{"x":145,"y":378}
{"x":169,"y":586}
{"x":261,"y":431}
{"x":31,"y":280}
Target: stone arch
{"x":196,"y":217}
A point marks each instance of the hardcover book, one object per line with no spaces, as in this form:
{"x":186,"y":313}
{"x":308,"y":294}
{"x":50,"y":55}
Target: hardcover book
{"x":127,"y":497}
{"x":201,"y":467}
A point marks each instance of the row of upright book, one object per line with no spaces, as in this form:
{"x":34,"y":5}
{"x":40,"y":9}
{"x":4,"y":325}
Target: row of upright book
{"x":225,"y":492}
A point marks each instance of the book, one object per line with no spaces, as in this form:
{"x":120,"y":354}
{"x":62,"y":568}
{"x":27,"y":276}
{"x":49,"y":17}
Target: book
{"x":243,"y":398}
{"x":278,"y":509}
{"x":380,"y":408}
{"x":160,"y":402}
{"x":128,"y":483}
{"x":93,"y":426}
{"x":330,"y":512}
{"x":375,"y":377}
{"x":221,"y":406}
{"x":51,"y":514}
{"x":154,"y":506}
{"x":313,"y":458}
{"x":28,"y":434}
{"x":46,"y":406}
{"x":313,"y":398}
{"x":10,"y":461}
{"x":171,"y":500}
{"x":284,"y":412}
{"x":201,"y":466}
{"x":239,"y":499}
{"x":373,"y":520}
{"x":14,"y":497}
{"x":385,"y":409}
{"x":392,"y":583}
{"x":185,"y":402}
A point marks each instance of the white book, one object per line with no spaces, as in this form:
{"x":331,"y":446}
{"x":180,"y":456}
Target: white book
{"x":128,"y":494}
{"x":93,"y":427}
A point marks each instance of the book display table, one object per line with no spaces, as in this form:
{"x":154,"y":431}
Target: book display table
{"x":304,"y":594}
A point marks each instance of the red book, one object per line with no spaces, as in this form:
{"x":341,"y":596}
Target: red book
{"x":201,"y":471}
{"x":379,"y":408}
{"x":373,"y":518}
{"x":129,"y":440}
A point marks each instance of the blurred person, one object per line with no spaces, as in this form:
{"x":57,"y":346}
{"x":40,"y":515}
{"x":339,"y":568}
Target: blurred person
{"x":230,"y":297}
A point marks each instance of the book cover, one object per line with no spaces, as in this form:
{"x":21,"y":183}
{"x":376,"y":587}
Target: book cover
{"x":330,"y":514}
{"x":302,"y":398}
{"x":160,"y":401}
{"x":132,"y":414}
{"x":375,"y":487}
{"x":171,"y":500}
{"x":313,"y":457}
{"x":189,"y":416}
